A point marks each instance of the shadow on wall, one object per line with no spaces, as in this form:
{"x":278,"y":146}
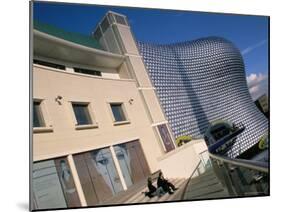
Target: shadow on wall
{"x":198,"y":111}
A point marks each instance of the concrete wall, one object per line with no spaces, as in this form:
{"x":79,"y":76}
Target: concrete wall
{"x":182,"y":161}
{"x":125,"y":40}
{"x":126,"y":35}
{"x":65,"y":139}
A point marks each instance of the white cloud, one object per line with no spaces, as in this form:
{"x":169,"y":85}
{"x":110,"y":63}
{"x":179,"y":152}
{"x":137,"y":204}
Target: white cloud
{"x":253,"y":79}
{"x":258,"y":85}
{"x":254,"y":89}
{"x":251,"y":48}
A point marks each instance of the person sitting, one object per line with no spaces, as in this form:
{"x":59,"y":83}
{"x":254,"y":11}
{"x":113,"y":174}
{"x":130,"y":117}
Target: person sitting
{"x":152,"y":190}
{"x":165,"y":184}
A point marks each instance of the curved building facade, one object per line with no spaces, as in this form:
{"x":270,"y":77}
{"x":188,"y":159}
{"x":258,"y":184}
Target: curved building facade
{"x":202,"y":81}
{"x":106,"y":110}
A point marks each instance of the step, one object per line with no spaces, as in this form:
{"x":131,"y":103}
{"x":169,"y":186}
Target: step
{"x":204,"y":177}
{"x":124,"y":195}
{"x":205,"y":186}
{"x":217,"y":187}
{"x":178,"y":194}
{"x":177,"y":183}
{"x":137,"y":197}
{"x":156,"y":199}
{"x":202,"y":184}
{"x":147,"y":199}
{"x":215,"y":195}
{"x":141,"y":198}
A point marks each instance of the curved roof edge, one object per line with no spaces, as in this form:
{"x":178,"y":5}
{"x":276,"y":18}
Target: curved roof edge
{"x":69,"y":36}
{"x":53,"y":47}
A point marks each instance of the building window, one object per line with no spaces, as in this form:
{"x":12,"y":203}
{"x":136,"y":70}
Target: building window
{"x":166,"y":137}
{"x":98,"y":174}
{"x":52,"y":65}
{"x":87,"y":71}
{"x":120,"y":19}
{"x":98,"y":34}
{"x":82,"y":114}
{"x":38,"y":120}
{"x":53,"y":185}
{"x":118,"y":112}
{"x":132,"y":162}
{"x":104,"y":25}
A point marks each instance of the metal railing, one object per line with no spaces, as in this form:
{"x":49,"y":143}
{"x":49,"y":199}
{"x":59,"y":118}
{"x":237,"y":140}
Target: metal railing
{"x":238,"y":177}
{"x":241,"y":177}
{"x":202,"y":166}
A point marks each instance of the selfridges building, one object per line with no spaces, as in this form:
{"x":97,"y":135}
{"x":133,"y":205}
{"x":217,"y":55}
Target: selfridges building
{"x":202,"y":81}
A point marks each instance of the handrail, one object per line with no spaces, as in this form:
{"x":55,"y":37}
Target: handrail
{"x":259,"y":166}
{"x":189,"y":179}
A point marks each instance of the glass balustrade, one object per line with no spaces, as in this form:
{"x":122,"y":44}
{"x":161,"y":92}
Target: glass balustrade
{"x":242,"y":177}
{"x":238,"y":177}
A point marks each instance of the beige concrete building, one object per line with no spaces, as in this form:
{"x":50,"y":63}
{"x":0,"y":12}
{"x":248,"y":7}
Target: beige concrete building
{"x":98,"y":126}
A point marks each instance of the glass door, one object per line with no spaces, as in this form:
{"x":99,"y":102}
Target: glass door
{"x":124,"y":158}
{"x":47,"y":189}
{"x":132,"y":162}
{"x":98,"y":175}
{"x":53,"y":185}
{"x":103,"y":162}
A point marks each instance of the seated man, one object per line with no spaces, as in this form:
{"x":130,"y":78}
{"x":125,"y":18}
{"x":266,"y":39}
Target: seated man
{"x":165,"y":184}
{"x":152,"y":191}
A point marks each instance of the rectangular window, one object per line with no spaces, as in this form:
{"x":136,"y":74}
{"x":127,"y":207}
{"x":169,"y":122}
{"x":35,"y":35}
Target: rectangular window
{"x":97,"y":171}
{"x":166,"y":138}
{"x":87,"y":71}
{"x":120,"y":19}
{"x":53,"y":185}
{"x":110,"y":17}
{"x":98,"y":34}
{"x":117,"y":111}
{"x":38,"y":120}
{"x":52,"y":65}
{"x":82,"y":114}
{"x":104,"y":24}
{"x":132,"y":162}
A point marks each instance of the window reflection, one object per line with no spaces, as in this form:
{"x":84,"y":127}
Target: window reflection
{"x":46,"y":186}
{"x":102,"y":160}
{"x":124,"y":159}
{"x":82,"y":114}
{"x":66,"y":178}
{"x":118,"y":112}
{"x":53,"y":185}
{"x":37,"y":115}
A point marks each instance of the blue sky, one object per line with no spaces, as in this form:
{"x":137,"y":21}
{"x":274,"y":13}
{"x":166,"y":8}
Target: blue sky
{"x":248,"y":33}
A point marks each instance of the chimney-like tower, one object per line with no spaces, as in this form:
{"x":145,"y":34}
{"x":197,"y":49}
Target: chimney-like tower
{"x":114,"y":34}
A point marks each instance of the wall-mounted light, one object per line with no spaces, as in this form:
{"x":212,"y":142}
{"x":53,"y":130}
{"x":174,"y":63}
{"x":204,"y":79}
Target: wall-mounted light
{"x":131,"y":101}
{"x":58,"y":99}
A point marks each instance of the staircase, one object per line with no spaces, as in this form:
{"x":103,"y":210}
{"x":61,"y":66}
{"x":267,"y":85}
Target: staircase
{"x":139,"y":197}
{"x":135,"y":193}
{"x":205,"y":186}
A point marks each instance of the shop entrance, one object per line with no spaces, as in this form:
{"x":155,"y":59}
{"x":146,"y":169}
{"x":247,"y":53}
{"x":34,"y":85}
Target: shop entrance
{"x":98,"y":174}
{"x":132,"y":162}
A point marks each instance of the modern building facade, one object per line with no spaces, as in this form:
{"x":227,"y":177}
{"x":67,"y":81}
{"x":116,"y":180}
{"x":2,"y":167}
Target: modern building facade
{"x":203,"y":81}
{"x":262,"y":105}
{"x":107,"y":109}
{"x":98,"y":126}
